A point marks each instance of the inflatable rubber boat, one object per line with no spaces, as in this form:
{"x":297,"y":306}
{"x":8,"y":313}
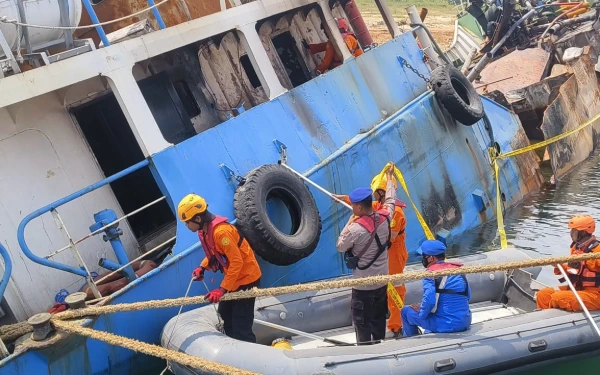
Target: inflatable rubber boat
{"x":507,"y":333}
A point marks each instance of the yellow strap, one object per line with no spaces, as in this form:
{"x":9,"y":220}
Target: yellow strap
{"x":400,"y":178}
{"x":501,"y":231}
{"x":393,"y":293}
{"x":549,"y":140}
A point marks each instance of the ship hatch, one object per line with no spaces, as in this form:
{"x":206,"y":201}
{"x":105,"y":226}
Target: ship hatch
{"x":110,"y":138}
{"x":291,"y":58}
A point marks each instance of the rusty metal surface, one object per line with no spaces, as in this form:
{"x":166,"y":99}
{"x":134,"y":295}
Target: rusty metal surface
{"x":172,"y":14}
{"x":583,"y":35}
{"x":526,"y":67}
{"x":578,"y":101}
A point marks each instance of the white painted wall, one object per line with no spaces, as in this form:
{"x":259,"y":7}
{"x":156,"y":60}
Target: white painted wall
{"x":44,"y":157}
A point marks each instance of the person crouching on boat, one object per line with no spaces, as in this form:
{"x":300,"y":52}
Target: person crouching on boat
{"x":228,"y":252}
{"x":397,"y":253}
{"x":364,"y":242}
{"x":585,"y":276}
{"x":445,"y":304}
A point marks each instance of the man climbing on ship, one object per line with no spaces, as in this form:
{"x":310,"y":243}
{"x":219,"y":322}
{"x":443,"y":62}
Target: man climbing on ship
{"x":228,"y":252}
{"x":332,"y":59}
{"x":364,"y":242}
{"x":585,"y":276}
{"x":445,"y":304}
{"x":397,"y":253}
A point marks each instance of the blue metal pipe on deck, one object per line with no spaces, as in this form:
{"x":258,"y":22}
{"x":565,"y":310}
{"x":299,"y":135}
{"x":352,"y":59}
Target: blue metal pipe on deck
{"x":58,"y":203}
{"x":90,"y":9}
{"x":108,"y":264}
{"x":156,"y":13}
{"x":113,"y":234}
{"x":7,"y":270}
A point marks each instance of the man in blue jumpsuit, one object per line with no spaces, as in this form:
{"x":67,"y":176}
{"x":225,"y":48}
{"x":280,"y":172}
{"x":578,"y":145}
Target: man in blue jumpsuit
{"x":445,"y":305}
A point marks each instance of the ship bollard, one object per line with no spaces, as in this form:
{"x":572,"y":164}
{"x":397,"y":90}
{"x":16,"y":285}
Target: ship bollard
{"x":76,"y":300}
{"x":41,"y":326}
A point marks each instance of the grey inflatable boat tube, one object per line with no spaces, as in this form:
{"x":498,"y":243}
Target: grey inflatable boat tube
{"x":492,"y":346}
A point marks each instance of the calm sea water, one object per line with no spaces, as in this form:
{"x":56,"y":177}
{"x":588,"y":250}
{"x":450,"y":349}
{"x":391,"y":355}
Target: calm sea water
{"x":538,"y":226}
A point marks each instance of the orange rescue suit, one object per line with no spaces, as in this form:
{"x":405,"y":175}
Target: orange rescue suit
{"x":397,"y":258}
{"x":242,"y":267}
{"x":331,"y":59}
{"x":564,"y":298}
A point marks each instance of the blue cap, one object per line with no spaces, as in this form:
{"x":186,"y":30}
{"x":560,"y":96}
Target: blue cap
{"x":360,"y":194}
{"x":433,"y":247}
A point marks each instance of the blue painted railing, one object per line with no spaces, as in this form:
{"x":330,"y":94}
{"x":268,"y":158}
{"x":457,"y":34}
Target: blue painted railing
{"x":58,"y":203}
{"x":7,"y":270}
{"x":94,"y":18}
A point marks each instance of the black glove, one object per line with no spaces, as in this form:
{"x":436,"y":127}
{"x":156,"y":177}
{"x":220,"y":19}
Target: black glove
{"x":305,"y":44}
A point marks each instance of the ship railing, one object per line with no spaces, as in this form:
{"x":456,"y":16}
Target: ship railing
{"x":106,"y":222}
{"x":7,"y":270}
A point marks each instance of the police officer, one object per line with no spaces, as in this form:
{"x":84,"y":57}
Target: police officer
{"x":365,"y":240}
{"x":445,"y":304}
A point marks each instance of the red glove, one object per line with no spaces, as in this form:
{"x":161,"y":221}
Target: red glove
{"x":215,"y":295}
{"x":198,"y":274}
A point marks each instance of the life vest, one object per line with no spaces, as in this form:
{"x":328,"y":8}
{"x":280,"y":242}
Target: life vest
{"x":216,"y":260}
{"x":581,"y":276}
{"x":440,"y":282}
{"x":370,"y":223}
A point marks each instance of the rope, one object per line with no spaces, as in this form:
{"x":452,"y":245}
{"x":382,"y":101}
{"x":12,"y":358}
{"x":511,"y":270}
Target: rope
{"x":5,"y":19}
{"x":14,"y":331}
{"x":153,"y":350}
{"x":317,"y":286}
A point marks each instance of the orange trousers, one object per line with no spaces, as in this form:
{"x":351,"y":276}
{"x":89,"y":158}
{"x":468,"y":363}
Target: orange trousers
{"x":397,"y":257}
{"x":564,"y":299}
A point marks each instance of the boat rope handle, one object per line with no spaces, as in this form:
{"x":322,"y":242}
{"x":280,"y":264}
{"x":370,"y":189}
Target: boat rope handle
{"x":5,"y":19}
{"x":495,"y":157}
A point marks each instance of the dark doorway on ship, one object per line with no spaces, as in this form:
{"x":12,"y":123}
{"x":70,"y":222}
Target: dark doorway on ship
{"x":115,"y":147}
{"x":291,"y":58}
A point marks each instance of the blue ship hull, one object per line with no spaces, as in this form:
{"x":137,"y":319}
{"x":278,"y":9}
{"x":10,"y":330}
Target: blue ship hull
{"x":339,"y":129}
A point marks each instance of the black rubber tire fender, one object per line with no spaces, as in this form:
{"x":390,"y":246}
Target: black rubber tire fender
{"x":266,"y":240}
{"x":454,"y":91}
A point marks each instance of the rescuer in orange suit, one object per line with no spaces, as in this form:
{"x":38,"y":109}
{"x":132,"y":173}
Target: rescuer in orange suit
{"x":331,"y":59}
{"x":226,"y":251}
{"x":397,"y":253}
{"x":585,"y":276}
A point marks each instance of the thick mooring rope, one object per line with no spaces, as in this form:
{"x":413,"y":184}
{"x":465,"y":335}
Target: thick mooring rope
{"x":14,"y":331}
{"x":153,"y":350}
{"x":322,"y":285}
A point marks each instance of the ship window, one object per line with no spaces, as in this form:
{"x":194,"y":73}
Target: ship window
{"x":250,"y":72}
{"x":291,"y":58}
{"x":187,"y":98}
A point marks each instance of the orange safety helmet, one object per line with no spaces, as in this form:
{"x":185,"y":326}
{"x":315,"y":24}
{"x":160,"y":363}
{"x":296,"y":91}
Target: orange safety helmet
{"x":584,"y":223}
{"x":190,"y":206}
{"x":342,"y":24}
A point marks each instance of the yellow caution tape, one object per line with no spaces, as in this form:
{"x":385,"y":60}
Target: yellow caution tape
{"x":549,"y":140}
{"x":400,"y":178}
{"x":426,"y":229}
{"x":501,"y":231}
{"x":393,"y":293}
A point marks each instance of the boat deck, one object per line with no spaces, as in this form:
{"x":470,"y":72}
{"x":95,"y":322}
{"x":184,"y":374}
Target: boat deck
{"x":481,"y":312}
